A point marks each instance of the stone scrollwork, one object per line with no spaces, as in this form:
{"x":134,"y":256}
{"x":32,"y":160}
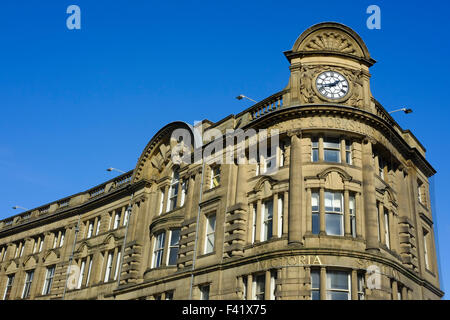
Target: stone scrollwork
{"x":309,"y":93}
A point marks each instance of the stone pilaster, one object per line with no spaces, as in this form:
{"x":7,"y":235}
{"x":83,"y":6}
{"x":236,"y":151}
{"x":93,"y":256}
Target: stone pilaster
{"x":295,"y":190}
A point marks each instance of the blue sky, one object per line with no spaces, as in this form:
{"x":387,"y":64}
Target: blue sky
{"x":75,"y":102}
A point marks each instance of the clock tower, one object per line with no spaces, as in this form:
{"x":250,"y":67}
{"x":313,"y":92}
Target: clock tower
{"x":330,"y":65}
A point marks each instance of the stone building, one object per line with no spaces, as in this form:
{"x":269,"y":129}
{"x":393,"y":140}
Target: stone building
{"x":346,"y":216}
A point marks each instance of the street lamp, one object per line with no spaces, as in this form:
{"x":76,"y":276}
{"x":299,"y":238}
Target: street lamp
{"x":19,"y":207}
{"x":114,"y":169}
{"x":241,"y":96}
{"x":405,"y":110}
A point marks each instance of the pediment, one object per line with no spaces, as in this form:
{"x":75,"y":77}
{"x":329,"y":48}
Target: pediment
{"x":11,"y":267}
{"x":30,"y":262}
{"x":51,"y":256}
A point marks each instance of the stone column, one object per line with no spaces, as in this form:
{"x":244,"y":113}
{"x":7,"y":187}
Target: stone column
{"x":347,"y":231}
{"x":354,"y":285}
{"x":166,"y":198}
{"x":342,"y":140}
{"x":250,"y":223}
{"x":322,"y":211}
{"x":295,"y":190}
{"x":323,"y":283}
{"x":370,"y":209}
{"x":308,"y":212}
{"x":285,"y":212}
{"x":249,"y":287}
{"x":180,"y":191}
{"x":258,"y":217}
{"x":267,"y":287}
{"x":321,"y":150}
{"x":394,"y":290}
{"x":358,"y":215}
{"x":381,"y":222}
{"x":189,"y":196}
{"x":404,"y":293}
{"x":275,"y":216}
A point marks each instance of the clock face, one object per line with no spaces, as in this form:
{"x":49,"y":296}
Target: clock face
{"x":332,"y":85}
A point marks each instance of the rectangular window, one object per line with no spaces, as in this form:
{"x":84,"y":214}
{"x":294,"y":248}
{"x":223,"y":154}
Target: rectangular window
{"x":48,"y":280}
{"x":158,"y":250}
{"x":82,"y":270}
{"x":282,"y":152}
{"x":116,"y":271}
{"x":62,"y":234}
{"x":8,"y":288}
{"x":315,"y":284}
{"x":90,"y":229}
{"x":386,"y":228}
{"x":361,"y":295}
{"x":254,"y":223}
{"x":315,"y":212}
{"x":267,"y":221}
{"x":273,"y":288}
{"x":22,"y":246}
{"x":334,"y":217}
{"x":210,"y":233}
{"x":161,"y":201}
{"x":421,"y":192}
{"x":314,"y":150}
{"x":27,"y":286}
{"x":425,"y":249}
{"x":97,"y":229}
{"x":169,"y":295}
{"x":204,"y":292}
{"x":269,"y":161}
{"x":215,"y":177}
{"x":381,"y":165}
{"x":348,"y":152}
{"x":184,"y":187}
{"x":338,"y":285}
{"x":259,"y":286}
{"x":173,"y":191}
{"x":35,"y":245}
{"x":173,"y":247}
{"x":109,"y":263}
{"x":55,"y":239}
{"x":117,"y":216}
{"x":280,"y":216}
{"x":89,"y":272}
{"x":16,"y":253}
{"x":332,"y":150}
{"x":126,"y":216}
{"x":352,"y":209}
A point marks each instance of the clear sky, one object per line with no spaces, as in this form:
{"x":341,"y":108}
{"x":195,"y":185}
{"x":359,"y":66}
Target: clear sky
{"x":74,"y":102}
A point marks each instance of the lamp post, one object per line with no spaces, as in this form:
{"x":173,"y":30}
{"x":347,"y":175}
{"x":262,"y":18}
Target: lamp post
{"x":19,"y":207}
{"x":405,"y":110}
{"x":241,"y":96}
{"x":114,"y":169}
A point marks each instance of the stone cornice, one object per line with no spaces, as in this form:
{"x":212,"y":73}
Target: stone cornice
{"x":308,"y":110}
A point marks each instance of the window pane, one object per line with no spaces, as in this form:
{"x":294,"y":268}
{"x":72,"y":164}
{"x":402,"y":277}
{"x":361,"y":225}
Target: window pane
{"x":315,"y":201}
{"x":173,"y":256}
{"x":315,"y":295}
{"x":328,"y":201}
{"x":315,"y":155}
{"x":333,"y":295}
{"x":337,"y":280}
{"x":333,"y":224}
{"x":315,"y":223}
{"x":337,"y":202}
{"x":332,"y":155}
{"x":315,"y":279}
{"x":331,"y":143}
